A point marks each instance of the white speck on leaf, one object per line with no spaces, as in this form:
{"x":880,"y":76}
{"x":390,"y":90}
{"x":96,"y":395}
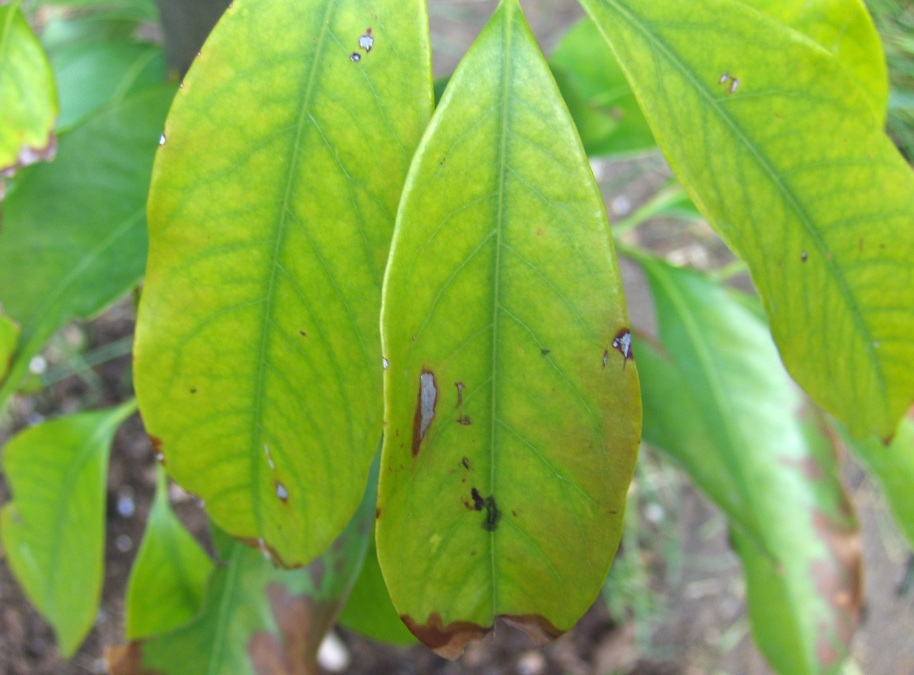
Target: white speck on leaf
{"x":355,"y":56}
{"x":428,"y":396}
{"x":266,"y":451}
{"x":281,"y":491}
{"x":734,"y":86}
{"x":366,"y":42}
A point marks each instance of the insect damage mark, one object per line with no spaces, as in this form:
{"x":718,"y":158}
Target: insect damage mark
{"x":425,"y":408}
{"x":464,"y":420}
{"x":460,"y":388}
{"x":622,"y":343}
{"x":366,"y":41}
{"x":734,"y":82}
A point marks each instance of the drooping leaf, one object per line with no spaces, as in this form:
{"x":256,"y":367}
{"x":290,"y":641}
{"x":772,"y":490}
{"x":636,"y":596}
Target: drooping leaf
{"x":28,"y":101}
{"x":717,"y":399}
{"x":258,"y":364}
{"x":845,"y":29}
{"x":9,"y":336}
{"x":257,"y":618}
{"x":91,"y":75}
{"x":53,"y":532}
{"x":74,"y":236}
{"x":783,"y":153}
{"x":599,"y":97}
{"x":893,"y":469}
{"x":369,"y":610}
{"x":511,"y":401}
{"x":165,"y":589}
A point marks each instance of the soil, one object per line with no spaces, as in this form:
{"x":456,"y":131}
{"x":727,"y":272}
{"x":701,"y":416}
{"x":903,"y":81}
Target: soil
{"x":685,"y":616}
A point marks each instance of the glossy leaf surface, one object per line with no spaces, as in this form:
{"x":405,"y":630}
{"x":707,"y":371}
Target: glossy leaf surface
{"x":512,"y":410}
{"x":258,"y":364}
{"x":845,"y":29}
{"x":28,"y":101}
{"x":165,"y":589}
{"x":53,"y":532}
{"x":717,"y":400}
{"x":785,"y":156}
{"x":74,"y":232}
{"x":599,"y":97}
{"x":257,"y":618}
{"x":893,"y":468}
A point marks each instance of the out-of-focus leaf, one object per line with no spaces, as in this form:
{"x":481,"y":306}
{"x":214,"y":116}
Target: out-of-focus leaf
{"x":166,"y":583}
{"x":9,"y":336}
{"x":53,"y":531}
{"x":90,"y":75}
{"x":845,"y":29}
{"x":257,"y":618}
{"x":893,"y":468}
{"x":28,"y":101}
{"x":258,"y":365}
{"x":598,"y":96}
{"x":717,"y":399}
{"x":783,"y":153}
{"x":104,"y":9}
{"x":74,"y":231}
{"x":512,"y":410}
{"x":369,"y":610}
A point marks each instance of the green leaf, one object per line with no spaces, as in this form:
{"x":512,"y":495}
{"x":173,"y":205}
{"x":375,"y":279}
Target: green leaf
{"x":512,"y":407}
{"x":599,"y":97}
{"x":165,"y":589}
{"x":258,"y":364}
{"x":90,"y":75}
{"x":717,"y":400}
{"x":784,"y":155}
{"x":28,"y":102}
{"x":893,"y":469}
{"x":845,"y":29}
{"x":9,"y":336}
{"x":369,"y":610}
{"x":53,"y":532}
{"x":74,"y":237}
{"x":258,"y":618}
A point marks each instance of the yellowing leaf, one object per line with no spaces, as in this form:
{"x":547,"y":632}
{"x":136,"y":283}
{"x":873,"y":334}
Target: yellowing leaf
{"x":258,"y":360}
{"x":512,"y":409}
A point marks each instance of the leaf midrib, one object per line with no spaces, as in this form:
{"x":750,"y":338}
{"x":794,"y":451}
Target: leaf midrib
{"x":266,"y":326}
{"x":762,"y":161}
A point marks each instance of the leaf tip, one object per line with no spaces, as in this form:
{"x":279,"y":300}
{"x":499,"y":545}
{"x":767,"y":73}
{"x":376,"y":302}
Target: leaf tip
{"x":446,"y":641}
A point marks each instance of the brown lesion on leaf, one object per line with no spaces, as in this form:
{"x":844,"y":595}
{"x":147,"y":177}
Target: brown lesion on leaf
{"x":426,"y":400}
{"x":449,"y":641}
{"x":478,"y":502}
{"x":464,"y":420}
{"x":493,"y":515}
{"x":157,"y":449}
{"x":302,"y":624}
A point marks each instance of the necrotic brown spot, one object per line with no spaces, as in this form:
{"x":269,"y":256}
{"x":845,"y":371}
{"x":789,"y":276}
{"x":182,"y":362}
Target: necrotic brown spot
{"x":493,"y":515}
{"x":478,"y":502}
{"x":447,"y":641}
{"x":425,"y":408}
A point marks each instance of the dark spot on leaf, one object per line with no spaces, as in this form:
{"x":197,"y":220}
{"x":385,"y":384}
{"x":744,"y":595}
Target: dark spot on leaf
{"x":478,"y":502}
{"x":377,"y":512}
{"x":804,"y":256}
{"x":545,"y":352}
{"x":302,"y":333}
{"x":493,"y":515}
{"x":465,"y":421}
{"x":447,"y":641}
{"x":465,"y":463}
{"x":355,"y":56}
{"x":514,"y":513}
{"x":426,"y":400}
{"x":193,"y":390}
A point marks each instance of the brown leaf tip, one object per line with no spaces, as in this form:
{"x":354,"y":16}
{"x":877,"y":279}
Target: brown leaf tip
{"x":157,"y":449}
{"x":447,"y":641}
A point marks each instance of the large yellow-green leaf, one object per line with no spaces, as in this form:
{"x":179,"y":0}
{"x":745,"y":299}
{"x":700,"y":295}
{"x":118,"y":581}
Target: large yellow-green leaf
{"x":73,"y":238}
{"x":28,"y":100}
{"x":512,"y":409}
{"x":784,"y":154}
{"x":165,"y":589}
{"x":258,"y":359}
{"x":53,"y":532}
{"x":717,"y":399}
{"x":257,"y":619}
{"x":844,"y":28}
